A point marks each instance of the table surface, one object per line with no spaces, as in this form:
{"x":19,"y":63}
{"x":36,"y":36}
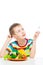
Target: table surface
{"x":38,"y":61}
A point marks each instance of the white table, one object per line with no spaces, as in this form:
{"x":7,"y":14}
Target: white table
{"x":38,"y":61}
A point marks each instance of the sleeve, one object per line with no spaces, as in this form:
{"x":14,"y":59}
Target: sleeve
{"x":30,"y":43}
{"x":9,"y":48}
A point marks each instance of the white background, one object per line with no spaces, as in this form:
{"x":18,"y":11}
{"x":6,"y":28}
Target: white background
{"x":27,"y":12}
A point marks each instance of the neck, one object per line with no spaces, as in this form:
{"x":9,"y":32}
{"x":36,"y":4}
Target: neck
{"x":21,"y":42}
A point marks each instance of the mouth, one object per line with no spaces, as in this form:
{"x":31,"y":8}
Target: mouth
{"x":24,"y":35}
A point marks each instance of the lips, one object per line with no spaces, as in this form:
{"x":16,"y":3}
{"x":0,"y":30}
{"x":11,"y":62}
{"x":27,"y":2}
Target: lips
{"x":24,"y":34}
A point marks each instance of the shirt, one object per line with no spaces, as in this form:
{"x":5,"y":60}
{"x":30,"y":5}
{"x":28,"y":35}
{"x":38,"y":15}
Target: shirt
{"x":16,"y":49}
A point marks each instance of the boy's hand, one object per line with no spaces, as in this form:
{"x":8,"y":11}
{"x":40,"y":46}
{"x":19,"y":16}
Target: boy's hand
{"x":8,"y":38}
{"x":36,"y":35}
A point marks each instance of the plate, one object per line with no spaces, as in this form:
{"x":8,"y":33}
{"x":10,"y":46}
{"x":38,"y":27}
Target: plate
{"x":12,"y":59}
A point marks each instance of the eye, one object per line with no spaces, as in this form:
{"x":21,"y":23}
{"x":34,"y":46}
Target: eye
{"x":18,"y":30}
{"x":22,"y":28}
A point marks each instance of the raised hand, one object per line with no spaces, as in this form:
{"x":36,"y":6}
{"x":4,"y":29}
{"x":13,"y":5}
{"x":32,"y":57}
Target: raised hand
{"x":36,"y":35}
{"x":8,"y":38}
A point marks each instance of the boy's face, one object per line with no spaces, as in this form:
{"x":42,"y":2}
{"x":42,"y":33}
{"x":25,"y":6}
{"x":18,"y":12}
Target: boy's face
{"x":19,"y":32}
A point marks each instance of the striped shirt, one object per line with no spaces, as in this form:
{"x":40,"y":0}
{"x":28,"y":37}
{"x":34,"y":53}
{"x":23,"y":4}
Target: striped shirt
{"x":16,"y":49}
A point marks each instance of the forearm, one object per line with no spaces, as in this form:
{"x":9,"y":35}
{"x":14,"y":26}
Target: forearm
{"x":3,"y":50}
{"x":33,"y":50}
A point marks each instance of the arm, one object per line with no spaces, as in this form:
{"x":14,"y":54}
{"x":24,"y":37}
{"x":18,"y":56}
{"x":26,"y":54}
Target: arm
{"x":33,"y":50}
{"x":3,"y":50}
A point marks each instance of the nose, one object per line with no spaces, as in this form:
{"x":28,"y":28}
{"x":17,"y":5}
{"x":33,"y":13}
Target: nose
{"x":22,"y":31}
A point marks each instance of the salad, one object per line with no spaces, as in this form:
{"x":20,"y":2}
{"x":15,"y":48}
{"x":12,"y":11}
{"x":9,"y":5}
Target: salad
{"x":18,"y":56}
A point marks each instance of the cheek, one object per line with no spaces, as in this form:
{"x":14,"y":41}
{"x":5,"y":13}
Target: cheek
{"x":19,"y":35}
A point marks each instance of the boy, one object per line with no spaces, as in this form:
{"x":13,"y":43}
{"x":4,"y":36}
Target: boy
{"x":22,"y":45}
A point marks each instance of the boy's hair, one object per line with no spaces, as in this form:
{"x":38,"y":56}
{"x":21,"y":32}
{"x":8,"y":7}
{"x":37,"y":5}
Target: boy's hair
{"x":11,"y":28}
